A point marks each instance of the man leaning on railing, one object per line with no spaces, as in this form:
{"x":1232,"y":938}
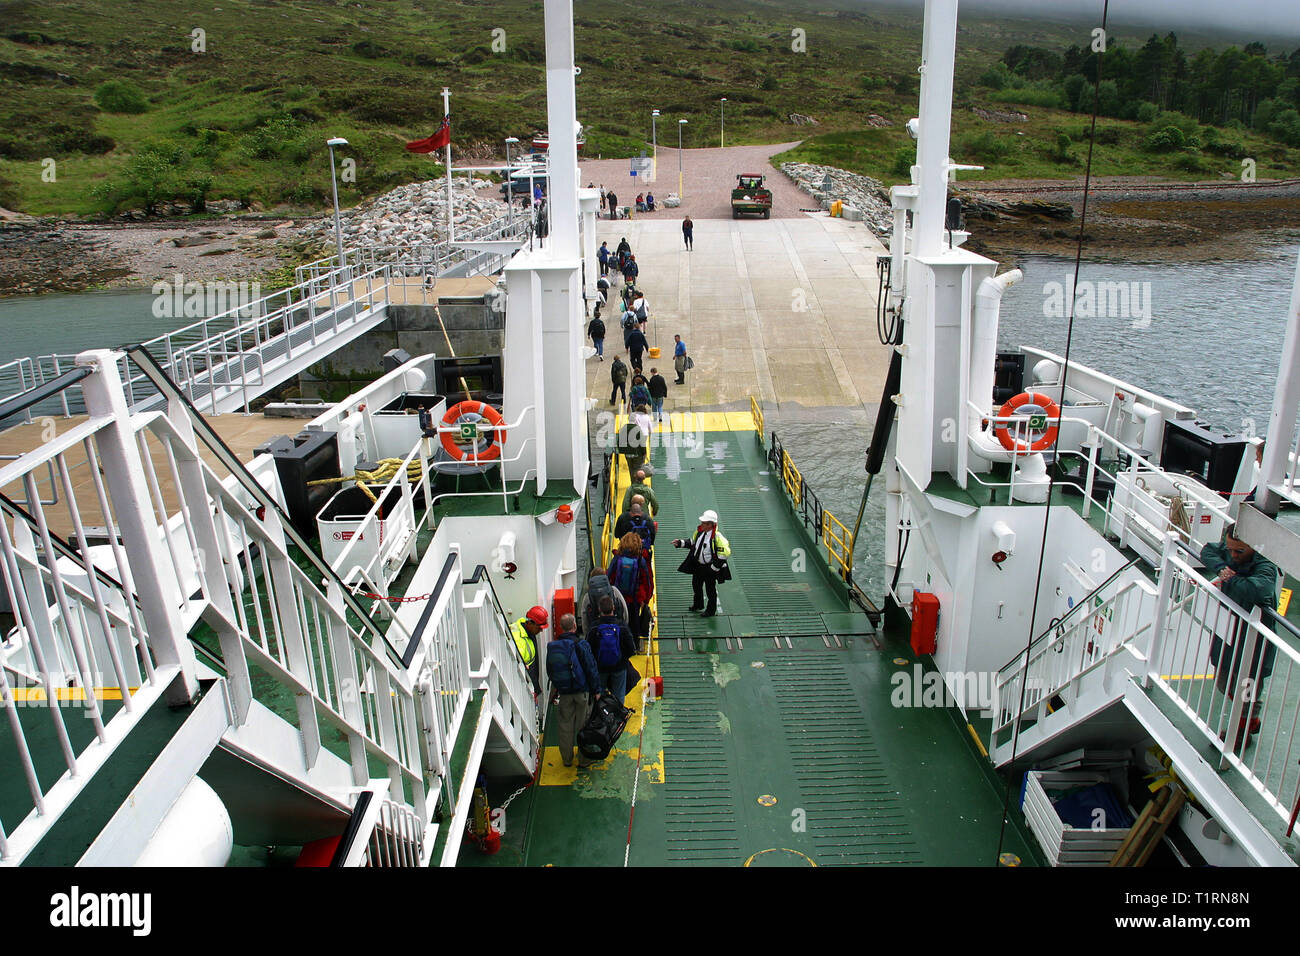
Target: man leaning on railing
{"x":1250,"y":579}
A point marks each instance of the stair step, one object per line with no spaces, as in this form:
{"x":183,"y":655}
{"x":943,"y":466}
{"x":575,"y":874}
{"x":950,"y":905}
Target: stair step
{"x":92,"y":809}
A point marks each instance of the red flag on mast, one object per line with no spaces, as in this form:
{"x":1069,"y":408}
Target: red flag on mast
{"x":435,"y":142}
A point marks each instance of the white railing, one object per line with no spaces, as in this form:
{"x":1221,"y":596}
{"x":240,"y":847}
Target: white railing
{"x":1198,"y":623}
{"x":440,"y":656}
{"x":383,"y":833}
{"x":1062,"y":657}
{"x":391,"y":528}
{"x":435,"y":258}
{"x":397,"y":839}
{"x":228,"y":356}
{"x":510,"y":691}
{"x":1142,"y":509}
{"x":84,"y":639}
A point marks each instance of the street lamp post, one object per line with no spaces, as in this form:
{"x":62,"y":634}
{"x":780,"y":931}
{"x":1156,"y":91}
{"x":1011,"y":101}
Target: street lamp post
{"x":724,"y":122}
{"x":654,"y":146}
{"x":510,"y":183}
{"x":334,"y":185}
{"x":680,"y":182}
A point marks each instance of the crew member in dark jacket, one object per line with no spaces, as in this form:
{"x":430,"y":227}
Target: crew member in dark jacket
{"x":1250,"y":579}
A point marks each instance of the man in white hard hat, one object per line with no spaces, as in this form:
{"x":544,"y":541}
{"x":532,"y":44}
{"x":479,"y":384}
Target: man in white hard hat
{"x":706,"y":563}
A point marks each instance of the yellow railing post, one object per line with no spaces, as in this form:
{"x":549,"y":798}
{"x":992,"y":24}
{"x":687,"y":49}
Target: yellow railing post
{"x":757,"y":414}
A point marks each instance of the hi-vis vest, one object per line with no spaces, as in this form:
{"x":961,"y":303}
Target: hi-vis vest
{"x":527,"y":646}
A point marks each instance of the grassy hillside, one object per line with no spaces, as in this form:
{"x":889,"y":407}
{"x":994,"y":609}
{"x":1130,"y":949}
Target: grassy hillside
{"x":247,"y":119}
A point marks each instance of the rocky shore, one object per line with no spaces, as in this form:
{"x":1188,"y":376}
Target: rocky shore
{"x":58,"y":256}
{"x":862,"y":193}
{"x":412,"y":215}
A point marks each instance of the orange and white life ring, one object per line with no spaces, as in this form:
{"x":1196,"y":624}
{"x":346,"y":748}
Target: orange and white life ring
{"x":1039,"y":403}
{"x":473,"y":412}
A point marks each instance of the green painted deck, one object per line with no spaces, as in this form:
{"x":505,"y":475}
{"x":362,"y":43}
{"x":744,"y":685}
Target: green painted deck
{"x":79,"y":825}
{"x":776,"y":742}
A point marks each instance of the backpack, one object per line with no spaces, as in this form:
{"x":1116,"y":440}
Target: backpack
{"x":629,"y":322}
{"x":564,"y":668}
{"x":626,"y":572}
{"x":609,"y":645}
{"x":646,"y":529}
{"x":619,"y":372}
{"x":643,"y":311}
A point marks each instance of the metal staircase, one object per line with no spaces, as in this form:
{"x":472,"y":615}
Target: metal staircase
{"x":1137,"y":666}
{"x":296,"y":679}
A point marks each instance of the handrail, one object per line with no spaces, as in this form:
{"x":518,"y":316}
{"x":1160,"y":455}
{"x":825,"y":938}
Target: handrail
{"x":39,"y":393}
{"x":481,"y":574}
{"x":213,"y":441}
{"x":1059,"y":622}
{"x":413,"y":645}
{"x":353,"y":829}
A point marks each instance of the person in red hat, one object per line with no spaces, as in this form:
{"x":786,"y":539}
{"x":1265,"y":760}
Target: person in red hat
{"x":524,"y":632}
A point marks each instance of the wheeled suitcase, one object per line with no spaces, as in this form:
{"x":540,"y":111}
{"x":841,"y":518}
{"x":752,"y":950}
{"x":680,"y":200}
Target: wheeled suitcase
{"x":604,"y":726}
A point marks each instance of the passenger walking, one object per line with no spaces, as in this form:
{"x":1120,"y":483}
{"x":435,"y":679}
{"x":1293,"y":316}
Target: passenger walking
{"x":688,"y":233}
{"x":658,"y":388}
{"x":612,"y":645}
{"x":640,"y":394}
{"x":679,"y":359}
{"x":574,"y":674}
{"x":630,"y":269}
{"x":598,"y":586}
{"x":596,"y":329}
{"x":624,"y":251}
{"x":637,"y":345}
{"x":639,"y":487}
{"x":612,"y":199}
{"x":635,"y":519}
{"x":618,"y":375}
{"x":630,"y":573}
{"x":706,"y":563}
{"x":602,"y":254}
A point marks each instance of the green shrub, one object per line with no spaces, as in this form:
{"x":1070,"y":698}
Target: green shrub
{"x":118,"y":96}
{"x":769,"y":83}
{"x":1147,"y":112}
{"x":904,"y":159}
{"x":995,"y":77}
{"x":1166,"y":139}
{"x":986,"y":147}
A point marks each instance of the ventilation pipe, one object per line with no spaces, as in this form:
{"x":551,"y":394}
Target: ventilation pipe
{"x":984,"y":351}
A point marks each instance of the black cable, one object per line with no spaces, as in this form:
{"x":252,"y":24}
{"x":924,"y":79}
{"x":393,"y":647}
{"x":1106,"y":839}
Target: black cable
{"x":1051,"y":481}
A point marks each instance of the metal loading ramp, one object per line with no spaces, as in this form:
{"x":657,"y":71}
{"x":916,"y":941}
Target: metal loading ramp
{"x":776,"y":742}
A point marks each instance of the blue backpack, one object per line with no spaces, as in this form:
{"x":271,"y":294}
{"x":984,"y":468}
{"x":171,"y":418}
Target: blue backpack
{"x":645,"y":528}
{"x":564,"y":668}
{"x":626,"y":571}
{"x":609,"y":645}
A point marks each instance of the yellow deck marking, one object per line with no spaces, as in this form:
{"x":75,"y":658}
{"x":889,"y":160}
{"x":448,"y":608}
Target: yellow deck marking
{"x":1186,"y":676}
{"x":780,"y":849}
{"x":1284,"y":601}
{"x":978,"y":743}
{"x":36,"y":695}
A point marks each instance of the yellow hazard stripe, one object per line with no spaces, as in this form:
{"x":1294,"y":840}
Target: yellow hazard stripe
{"x":36,"y":695}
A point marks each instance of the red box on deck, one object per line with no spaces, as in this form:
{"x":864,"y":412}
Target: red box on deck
{"x":925,"y":622}
{"x":563,"y":604}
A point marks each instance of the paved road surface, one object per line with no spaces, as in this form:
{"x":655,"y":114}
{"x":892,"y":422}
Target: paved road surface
{"x":783,"y":310}
{"x":709,"y":175}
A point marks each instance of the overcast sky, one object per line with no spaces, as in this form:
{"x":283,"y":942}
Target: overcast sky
{"x":1248,"y":19}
